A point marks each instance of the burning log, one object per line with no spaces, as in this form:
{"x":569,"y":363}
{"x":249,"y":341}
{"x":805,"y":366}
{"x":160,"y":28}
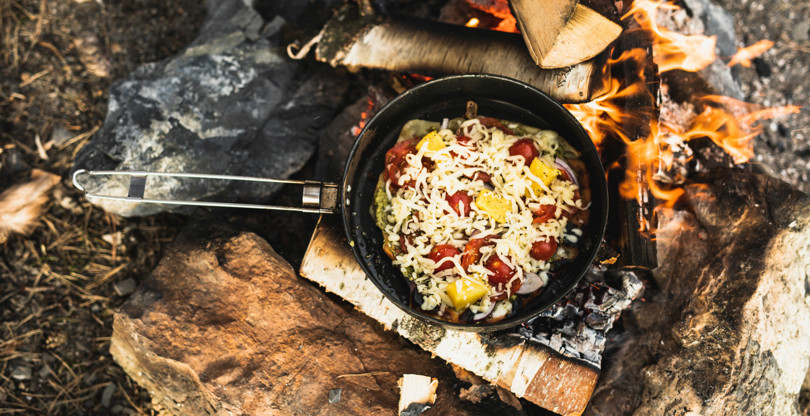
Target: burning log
{"x":412,"y":45}
{"x":563,"y":33}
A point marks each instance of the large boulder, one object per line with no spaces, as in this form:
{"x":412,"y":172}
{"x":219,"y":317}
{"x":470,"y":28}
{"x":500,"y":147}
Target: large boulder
{"x":224,"y":326}
{"x":725,"y":328}
{"x":231,"y":103}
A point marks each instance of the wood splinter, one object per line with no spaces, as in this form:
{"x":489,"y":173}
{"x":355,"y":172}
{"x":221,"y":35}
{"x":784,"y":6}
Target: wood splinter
{"x":416,"y":393}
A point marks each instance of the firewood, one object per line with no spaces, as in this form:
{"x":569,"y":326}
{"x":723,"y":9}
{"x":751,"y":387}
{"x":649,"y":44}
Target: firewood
{"x":533,"y":372}
{"x":433,"y":48}
{"x":224,"y":326}
{"x":563,"y":33}
{"x":416,"y":391}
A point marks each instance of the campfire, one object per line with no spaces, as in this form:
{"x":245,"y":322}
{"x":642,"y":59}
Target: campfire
{"x":697,"y":298}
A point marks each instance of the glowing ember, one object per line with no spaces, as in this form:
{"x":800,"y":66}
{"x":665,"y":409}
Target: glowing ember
{"x":363,"y":117}
{"x":472,"y":22}
{"x":746,"y":54}
{"x":498,"y":9}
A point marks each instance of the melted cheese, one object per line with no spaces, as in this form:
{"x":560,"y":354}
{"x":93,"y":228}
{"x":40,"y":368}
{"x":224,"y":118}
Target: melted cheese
{"x":424,"y":212}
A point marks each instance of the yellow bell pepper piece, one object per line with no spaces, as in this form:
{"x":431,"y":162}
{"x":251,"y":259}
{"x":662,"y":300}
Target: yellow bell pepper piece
{"x":464,"y":292}
{"x":544,"y":172}
{"x":433,"y":141}
{"x":493,"y":204}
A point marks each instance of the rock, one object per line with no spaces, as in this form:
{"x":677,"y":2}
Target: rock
{"x":725,"y":328}
{"x":124,"y":287}
{"x":231,"y":103}
{"x":22,"y":373}
{"x":106,"y":395}
{"x":224,"y":326}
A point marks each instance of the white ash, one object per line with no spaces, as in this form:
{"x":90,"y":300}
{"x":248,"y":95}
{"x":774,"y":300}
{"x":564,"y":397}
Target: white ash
{"x":576,"y":326}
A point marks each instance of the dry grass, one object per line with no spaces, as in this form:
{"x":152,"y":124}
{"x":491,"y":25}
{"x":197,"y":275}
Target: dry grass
{"x":57,"y":297}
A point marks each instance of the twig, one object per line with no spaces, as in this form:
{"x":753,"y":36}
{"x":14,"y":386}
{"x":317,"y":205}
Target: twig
{"x":106,"y":277}
{"x":40,"y":149}
{"x":43,"y":9}
{"x":50,"y":47}
{"x":35,"y":77}
{"x":80,"y":137}
{"x":372,"y":373}
{"x":129,"y":400}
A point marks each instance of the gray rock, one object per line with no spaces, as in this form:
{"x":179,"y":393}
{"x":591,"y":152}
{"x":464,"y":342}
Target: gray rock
{"x":21,"y":373}
{"x":124,"y":287}
{"x":106,"y":395}
{"x":231,"y":103}
{"x":725,"y":327}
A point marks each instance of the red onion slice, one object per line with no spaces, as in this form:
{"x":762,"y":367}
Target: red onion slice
{"x":480,"y":316}
{"x":531,"y":283}
{"x":564,"y":166}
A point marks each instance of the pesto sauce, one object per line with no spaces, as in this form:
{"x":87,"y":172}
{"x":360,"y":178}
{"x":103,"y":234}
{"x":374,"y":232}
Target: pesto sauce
{"x":381,"y":203}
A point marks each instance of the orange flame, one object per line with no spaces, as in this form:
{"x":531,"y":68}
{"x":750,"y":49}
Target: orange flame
{"x":672,"y":50}
{"x":729,"y":123}
{"x":473,"y":22}
{"x":746,"y":54}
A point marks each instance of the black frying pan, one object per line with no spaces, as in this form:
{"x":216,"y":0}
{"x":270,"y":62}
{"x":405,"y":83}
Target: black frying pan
{"x":498,"y":97}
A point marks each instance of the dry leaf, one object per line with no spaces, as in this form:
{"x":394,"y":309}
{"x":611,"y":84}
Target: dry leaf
{"x":21,"y":205}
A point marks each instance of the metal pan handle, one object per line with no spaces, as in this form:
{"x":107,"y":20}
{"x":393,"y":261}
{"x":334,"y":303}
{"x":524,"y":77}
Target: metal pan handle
{"x":317,"y":197}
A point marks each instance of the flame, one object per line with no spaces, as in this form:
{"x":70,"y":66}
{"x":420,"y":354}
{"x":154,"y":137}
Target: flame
{"x":672,"y":50}
{"x":731,"y":124}
{"x":473,"y":22}
{"x":746,"y":54}
{"x":605,"y":116}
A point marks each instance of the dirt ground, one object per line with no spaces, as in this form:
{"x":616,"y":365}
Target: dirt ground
{"x":58,"y":285}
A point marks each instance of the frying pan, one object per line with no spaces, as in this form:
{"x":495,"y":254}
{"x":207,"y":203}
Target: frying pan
{"x":496,"y":96}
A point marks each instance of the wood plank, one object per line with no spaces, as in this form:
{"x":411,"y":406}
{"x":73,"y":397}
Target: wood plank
{"x":531,"y":371}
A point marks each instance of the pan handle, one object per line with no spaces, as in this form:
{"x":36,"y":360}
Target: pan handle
{"x":317,"y":197}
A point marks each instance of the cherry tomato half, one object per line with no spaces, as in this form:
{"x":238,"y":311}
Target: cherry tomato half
{"x":493,"y":122}
{"x":395,"y":161}
{"x":543,"y":250}
{"x":544,"y":213}
{"x":440,"y":252}
{"x":460,"y":200}
{"x":501,"y":272}
{"x":525,"y":147}
{"x":472,"y":251}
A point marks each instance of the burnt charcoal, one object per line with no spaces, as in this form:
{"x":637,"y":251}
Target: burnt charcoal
{"x":231,"y":103}
{"x":597,"y":320}
{"x":762,"y":67}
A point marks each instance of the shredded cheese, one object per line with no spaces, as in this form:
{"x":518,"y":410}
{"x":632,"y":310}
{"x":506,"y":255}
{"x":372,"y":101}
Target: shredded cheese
{"x":423,"y":213}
